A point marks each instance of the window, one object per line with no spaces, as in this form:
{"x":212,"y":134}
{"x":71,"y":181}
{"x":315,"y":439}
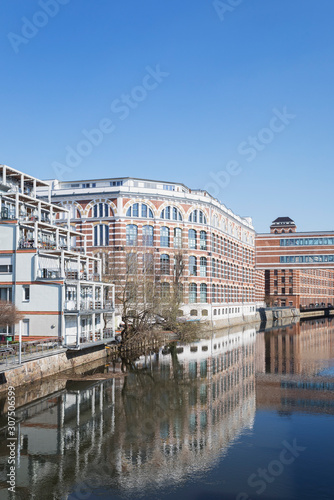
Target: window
{"x":192,"y":293}
{"x":202,"y":266}
{"x":202,"y":240}
{"x":197,"y":216}
{"x":26,"y":293}
{"x":213,"y":268}
{"x":192,"y":266}
{"x":101,"y":235}
{"x":164,"y":236}
{"x":171,"y":213}
{"x":6,"y":268}
{"x":290,"y":291}
{"x":165,"y":290}
{"x":116,"y":183}
{"x":139,"y":210}
{"x":203,"y":293}
{"x":6,"y":294}
{"x":164,"y":264}
{"x":213,"y":245}
{"x":148,"y":263}
{"x":177,"y":237}
{"x":213,"y":293}
{"x":131,"y":235}
{"x":131,"y":263}
{"x":168,"y":187}
{"x":283,"y":291}
{"x":192,"y":239}
{"x":101,"y":210}
{"x":147,"y":236}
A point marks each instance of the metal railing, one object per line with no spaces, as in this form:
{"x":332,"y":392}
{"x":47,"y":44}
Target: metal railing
{"x":9,"y":352}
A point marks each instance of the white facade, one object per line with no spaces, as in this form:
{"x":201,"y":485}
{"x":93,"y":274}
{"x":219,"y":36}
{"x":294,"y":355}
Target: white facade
{"x":58,"y":289}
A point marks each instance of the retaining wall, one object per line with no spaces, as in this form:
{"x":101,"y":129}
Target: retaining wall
{"x":48,"y":365}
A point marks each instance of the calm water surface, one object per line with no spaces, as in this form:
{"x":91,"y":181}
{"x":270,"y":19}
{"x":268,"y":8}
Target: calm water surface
{"x":245,"y":415}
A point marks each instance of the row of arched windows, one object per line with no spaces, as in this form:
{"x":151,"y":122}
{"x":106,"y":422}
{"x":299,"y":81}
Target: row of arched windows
{"x":102,"y":209}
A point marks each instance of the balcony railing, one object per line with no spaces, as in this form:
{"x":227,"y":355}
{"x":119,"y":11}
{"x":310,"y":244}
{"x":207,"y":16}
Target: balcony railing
{"x":26,"y":243}
{"x":87,"y":305}
{"x":48,"y":273}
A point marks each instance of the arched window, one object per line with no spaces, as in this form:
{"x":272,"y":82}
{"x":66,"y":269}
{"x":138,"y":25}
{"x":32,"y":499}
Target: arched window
{"x":213,"y":293}
{"x":139,"y":210}
{"x":177,"y":237}
{"x":100,"y":210}
{"x":74,"y":212}
{"x":213,"y":268}
{"x":203,"y":292}
{"x":192,"y":266}
{"x":202,"y":266}
{"x":131,"y":235}
{"x":147,"y":236}
{"x":101,"y":235}
{"x":192,"y":239}
{"x":202,"y":240}
{"x":164,"y":236}
{"x":165,"y":290}
{"x":192,"y":293}
{"x":197,"y":216}
{"x":164,"y":264}
{"x":171,"y":213}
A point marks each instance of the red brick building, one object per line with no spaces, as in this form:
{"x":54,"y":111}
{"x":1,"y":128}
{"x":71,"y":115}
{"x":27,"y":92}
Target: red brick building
{"x":147,"y":222}
{"x":298,"y":267}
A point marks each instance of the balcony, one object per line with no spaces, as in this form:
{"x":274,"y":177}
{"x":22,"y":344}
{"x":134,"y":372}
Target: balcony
{"x":50,"y":274}
{"x":7,"y":213}
{"x":75,"y":275}
{"x":26,"y":244}
{"x":87,"y":305}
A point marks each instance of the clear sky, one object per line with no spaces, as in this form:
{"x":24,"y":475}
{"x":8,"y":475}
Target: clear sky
{"x":232,"y":96}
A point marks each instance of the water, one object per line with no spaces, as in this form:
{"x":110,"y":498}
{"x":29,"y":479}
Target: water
{"x":241,"y":416}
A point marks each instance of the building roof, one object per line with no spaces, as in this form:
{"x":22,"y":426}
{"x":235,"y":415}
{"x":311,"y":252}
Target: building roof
{"x":283,"y":220}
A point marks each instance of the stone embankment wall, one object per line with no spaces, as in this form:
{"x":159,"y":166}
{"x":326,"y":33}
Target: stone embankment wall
{"x":269,"y":315}
{"x":48,"y":365}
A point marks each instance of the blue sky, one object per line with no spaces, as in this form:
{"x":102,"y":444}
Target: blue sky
{"x":210,"y":119}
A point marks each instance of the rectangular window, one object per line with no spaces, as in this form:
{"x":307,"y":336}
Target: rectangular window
{"x":6,"y":268}
{"x":26,"y":293}
{"x":26,"y":328}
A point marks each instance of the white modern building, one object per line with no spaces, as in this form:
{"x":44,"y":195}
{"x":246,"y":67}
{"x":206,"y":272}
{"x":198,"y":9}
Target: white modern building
{"x":44,"y":268}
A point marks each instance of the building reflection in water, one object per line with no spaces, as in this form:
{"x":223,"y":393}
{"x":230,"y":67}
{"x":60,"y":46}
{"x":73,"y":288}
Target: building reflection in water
{"x":176,"y":413}
{"x":297,"y":372}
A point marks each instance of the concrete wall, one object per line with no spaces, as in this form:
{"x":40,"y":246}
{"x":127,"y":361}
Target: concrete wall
{"x":48,"y":366}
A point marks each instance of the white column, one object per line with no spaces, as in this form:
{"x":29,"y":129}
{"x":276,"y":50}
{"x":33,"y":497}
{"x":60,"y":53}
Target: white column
{"x":16,"y":205}
{"x":33,"y":194}
{"x":78,"y":333}
{"x":62,"y":263}
{"x":22,"y":183}
{"x":36,"y":234}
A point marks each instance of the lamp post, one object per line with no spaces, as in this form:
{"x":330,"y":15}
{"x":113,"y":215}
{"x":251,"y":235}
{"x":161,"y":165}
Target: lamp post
{"x":20,"y":340}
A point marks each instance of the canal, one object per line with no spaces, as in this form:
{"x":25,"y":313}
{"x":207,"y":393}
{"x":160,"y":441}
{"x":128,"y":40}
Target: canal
{"x":243,"y":415}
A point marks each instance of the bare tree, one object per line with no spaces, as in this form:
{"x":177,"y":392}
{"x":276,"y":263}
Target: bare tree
{"x":9,"y":314}
{"x":148,"y":293}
